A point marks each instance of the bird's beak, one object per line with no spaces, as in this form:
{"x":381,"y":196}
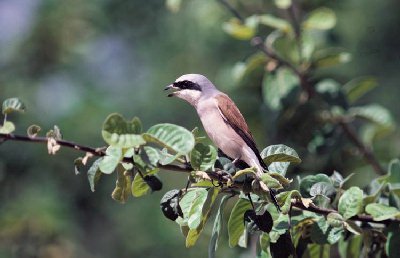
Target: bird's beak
{"x":169,"y":87}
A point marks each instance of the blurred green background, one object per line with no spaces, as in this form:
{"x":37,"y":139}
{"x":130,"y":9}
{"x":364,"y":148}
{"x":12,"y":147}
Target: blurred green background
{"x":74,"y":62}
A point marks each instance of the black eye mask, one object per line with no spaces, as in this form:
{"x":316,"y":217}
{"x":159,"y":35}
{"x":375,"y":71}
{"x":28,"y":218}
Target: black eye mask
{"x":187,"y":85}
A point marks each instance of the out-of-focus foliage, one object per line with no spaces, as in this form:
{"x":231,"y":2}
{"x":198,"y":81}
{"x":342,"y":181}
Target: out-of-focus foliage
{"x":74,"y":62}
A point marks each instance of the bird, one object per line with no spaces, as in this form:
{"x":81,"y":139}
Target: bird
{"x":221,"y":119}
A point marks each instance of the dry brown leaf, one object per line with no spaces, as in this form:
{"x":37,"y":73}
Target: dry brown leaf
{"x":306,"y":202}
{"x":86,"y":158}
{"x":52,"y":146}
{"x":203,"y":175}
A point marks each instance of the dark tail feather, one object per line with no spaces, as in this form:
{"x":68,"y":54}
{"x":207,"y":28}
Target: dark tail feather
{"x":274,"y":200}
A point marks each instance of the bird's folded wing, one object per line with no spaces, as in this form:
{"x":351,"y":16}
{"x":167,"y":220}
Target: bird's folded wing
{"x":235,"y":119}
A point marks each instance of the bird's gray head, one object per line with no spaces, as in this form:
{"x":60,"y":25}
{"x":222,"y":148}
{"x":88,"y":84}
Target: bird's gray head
{"x":191,"y":87}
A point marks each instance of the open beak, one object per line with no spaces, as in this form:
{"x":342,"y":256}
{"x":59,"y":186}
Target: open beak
{"x":171,"y":87}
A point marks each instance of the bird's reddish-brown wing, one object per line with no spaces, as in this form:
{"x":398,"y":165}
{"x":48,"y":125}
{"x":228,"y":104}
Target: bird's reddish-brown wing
{"x":235,"y":119}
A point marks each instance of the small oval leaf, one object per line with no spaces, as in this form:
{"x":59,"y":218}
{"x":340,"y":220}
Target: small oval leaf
{"x":321,"y":19}
{"x":173,"y":137}
{"x":381,"y":212}
{"x":280,"y":153}
{"x":110,"y":161}
{"x":120,"y":133}
{"x":351,"y":202}
{"x":238,"y":30}
{"x":7,"y":127}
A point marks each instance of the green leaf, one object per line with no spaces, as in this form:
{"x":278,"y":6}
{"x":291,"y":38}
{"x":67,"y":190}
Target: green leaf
{"x":394,"y":172}
{"x":392,"y":243}
{"x":285,"y":182}
{"x":351,"y":202}
{"x":330,"y":57}
{"x":185,"y":203}
{"x":94,"y":174}
{"x":33,"y":130}
{"x":238,"y":30}
{"x":320,"y":19}
{"x":121,"y":133}
{"x":279,"y":167}
{"x":203,"y":157}
{"x":203,"y":183}
{"x":166,"y":158}
{"x":352,"y":227}
{"x":195,"y":213}
{"x":350,"y":247}
{"x":358,"y":87}
{"x":139,"y":186}
{"x":152,"y":154}
{"x":393,"y":176}
{"x":308,"y":43}
{"x":285,"y":47}
{"x":122,"y":185}
{"x":7,"y":127}
{"x":13,"y":105}
{"x":375,"y":196}
{"x":264,"y":244}
{"x":279,"y":153}
{"x":246,"y":171}
{"x":322,"y":188}
{"x":318,"y":251}
{"x":321,"y":201}
{"x":111,"y":160}
{"x":173,"y":137}
{"x":274,"y":22}
{"x":381,"y":211}
{"x":136,"y":125}
{"x":276,"y":85}
{"x":173,"y":5}
{"x":373,"y":113}
{"x":194,"y":233}
{"x":212,"y":247}
{"x":235,"y":223}
{"x":283,"y":4}
{"x":335,"y":220}
{"x":270,"y":181}
{"x":307,"y":182}
{"x":285,"y":200}
{"x":323,"y":233}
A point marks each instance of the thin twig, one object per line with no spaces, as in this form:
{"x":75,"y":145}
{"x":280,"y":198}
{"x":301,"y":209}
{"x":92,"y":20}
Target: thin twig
{"x":365,"y":151}
{"x":360,"y":217}
{"x":22,"y":138}
{"x":303,"y":78}
{"x":231,"y":9}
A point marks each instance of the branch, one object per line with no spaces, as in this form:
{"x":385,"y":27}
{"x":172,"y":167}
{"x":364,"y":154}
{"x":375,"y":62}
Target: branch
{"x":360,"y":217}
{"x":231,"y":9}
{"x":22,"y":138}
{"x":366,"y":152}
{"x":304,"y":81}
{"x":218,"y":175}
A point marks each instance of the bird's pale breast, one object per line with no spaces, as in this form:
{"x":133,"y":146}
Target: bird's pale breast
{"x":221,"y":133}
